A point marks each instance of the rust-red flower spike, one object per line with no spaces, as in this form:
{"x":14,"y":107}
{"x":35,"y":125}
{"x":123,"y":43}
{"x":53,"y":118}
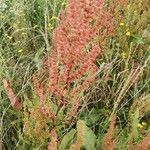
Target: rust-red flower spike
{"x":54,"y":140}
{"x":39,"y":89}
{"x":47,"y":112}
{"x":14,"y":100}
{"x":88,"y":63}
{"x":76,"y":43}
{"x":84,"y":86}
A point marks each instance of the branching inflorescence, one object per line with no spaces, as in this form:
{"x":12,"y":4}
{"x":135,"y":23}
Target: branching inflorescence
{"x":77,"y":42}
{"x":70,"y":69}
{"x":71,"y":64}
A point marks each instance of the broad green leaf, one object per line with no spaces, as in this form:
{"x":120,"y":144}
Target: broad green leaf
{"x":86,"y":139}
{"x":67,"y":140}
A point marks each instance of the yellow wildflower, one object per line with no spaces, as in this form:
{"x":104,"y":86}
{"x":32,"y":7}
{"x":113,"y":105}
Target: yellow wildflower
{"x":124,"y":55}
{"x":128,"y":33}
{"x":20,"y":51}
{"x":50,"y":26}
{"x":54,"y":18}
{"x":122,"y":24}
{"x":140,"y":126}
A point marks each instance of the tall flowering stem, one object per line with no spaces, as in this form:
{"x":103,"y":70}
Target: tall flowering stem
{"x":77,"y":41}
{"x":14,"y":100}
{"x":71,"y":63}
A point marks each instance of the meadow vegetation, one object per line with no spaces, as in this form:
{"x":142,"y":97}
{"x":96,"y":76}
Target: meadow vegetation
{"x":75,"y":74}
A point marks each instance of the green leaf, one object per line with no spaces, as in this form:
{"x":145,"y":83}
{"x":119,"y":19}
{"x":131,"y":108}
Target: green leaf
{"x":86,"y":139}
{"x":89,"y":139}
{"x":67,"y":140}
{"x":135,"y":122}
{"x":138,"y":39}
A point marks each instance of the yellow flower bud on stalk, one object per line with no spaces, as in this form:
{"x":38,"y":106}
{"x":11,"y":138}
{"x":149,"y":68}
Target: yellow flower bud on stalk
{"x":128,"y":33}
{"x":124,"y":55}
{"x":122,"y":24}
{"x":54,"y":18}
{"x":20,"y":51}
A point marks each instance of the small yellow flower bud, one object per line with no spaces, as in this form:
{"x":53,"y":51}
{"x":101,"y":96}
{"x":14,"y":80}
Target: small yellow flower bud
{"x":20,"y":51}
{"x":124,"y":55}
{"x":140,"y":126}
{"x":122,"y":24}
{"x":50,"y":26}
{"x":128,"y":33}
{"x":54,"y":18}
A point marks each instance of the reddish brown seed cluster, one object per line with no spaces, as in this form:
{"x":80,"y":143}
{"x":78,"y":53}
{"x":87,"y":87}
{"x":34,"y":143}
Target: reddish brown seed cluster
{"x":15,"y":102}
{"x":70,"y":67}
{"x":69,"y":60}
{"x":71,"y":64}
{"x":54,"y":140}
